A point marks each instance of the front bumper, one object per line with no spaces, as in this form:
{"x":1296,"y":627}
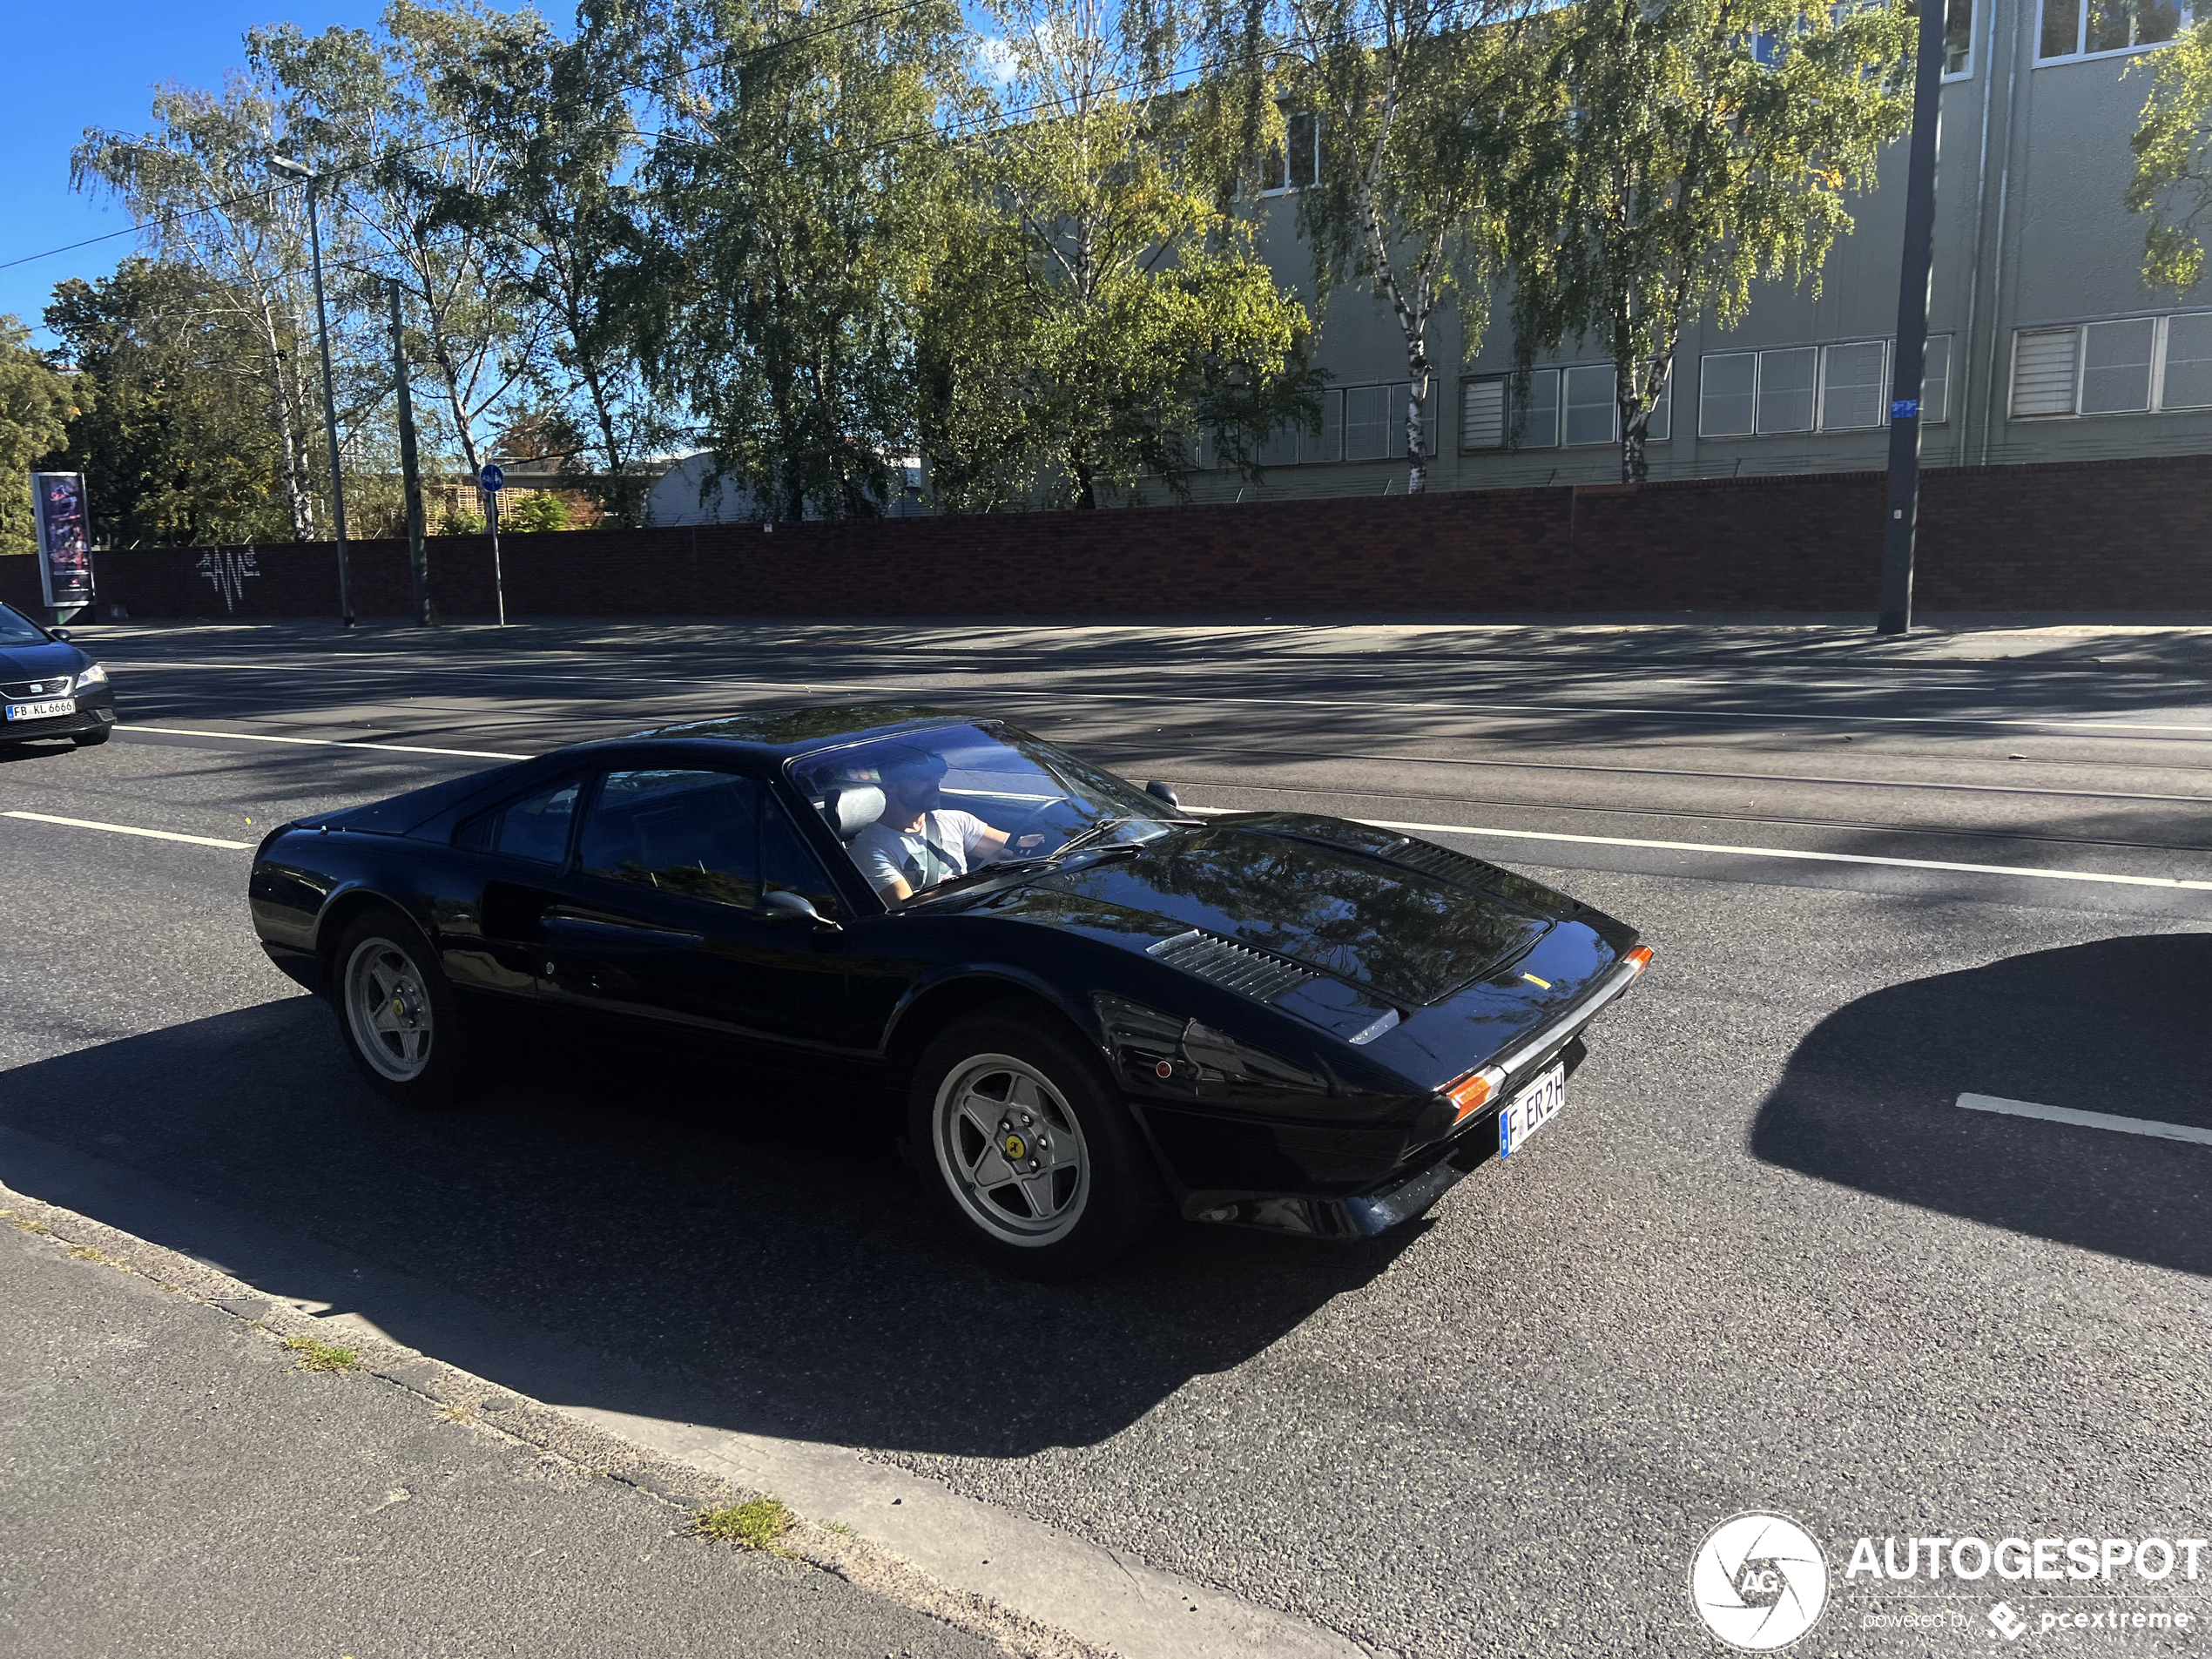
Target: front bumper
{"x":1437,"y":1168}
{"x":94,"y":709}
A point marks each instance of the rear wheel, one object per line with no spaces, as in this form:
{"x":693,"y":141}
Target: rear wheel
{"x":1030,"y":1148}
{"x":397,"y":1013}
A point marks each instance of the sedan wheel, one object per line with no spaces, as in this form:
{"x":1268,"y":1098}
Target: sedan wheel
{"x":1030,"y":1146}
{"x":1011,"y":1150}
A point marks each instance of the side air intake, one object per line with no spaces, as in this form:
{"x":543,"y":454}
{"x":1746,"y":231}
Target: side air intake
{"x":1259,"y":974}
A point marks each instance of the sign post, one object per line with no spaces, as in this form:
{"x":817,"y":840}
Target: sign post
{"x":491,"y":478}
{"x":64,"y":542}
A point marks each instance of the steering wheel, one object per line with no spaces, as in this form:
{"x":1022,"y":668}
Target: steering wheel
{"x":1014,"y":832}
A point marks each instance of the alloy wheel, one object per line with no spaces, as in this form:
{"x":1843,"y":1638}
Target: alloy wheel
{"x":389,"y":1008}
{"x":1009,"y":1148}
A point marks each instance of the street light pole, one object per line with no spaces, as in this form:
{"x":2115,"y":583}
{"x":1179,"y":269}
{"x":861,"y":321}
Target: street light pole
{"x":418,"y":558}
{"x":284,"y":166}
{"x":1901,"y":522}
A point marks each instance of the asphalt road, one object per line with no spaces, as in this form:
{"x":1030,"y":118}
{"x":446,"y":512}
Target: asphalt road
{"x":1763,"y":1260}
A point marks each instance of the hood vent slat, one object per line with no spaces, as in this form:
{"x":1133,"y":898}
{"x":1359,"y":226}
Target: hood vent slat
{"x":1259,"y":974}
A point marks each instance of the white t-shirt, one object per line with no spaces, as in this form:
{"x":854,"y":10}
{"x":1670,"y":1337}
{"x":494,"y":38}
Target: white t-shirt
{"x":937,"y":852}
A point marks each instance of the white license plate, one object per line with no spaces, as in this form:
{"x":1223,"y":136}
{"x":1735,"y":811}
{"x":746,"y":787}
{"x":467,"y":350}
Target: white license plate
{"x":46,"y":710}
{"x":1530,"y":1110}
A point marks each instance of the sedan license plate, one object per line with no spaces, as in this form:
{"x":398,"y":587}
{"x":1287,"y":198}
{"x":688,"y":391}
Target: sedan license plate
{"x":1530,"y":1110}
{"x":46,"y":710}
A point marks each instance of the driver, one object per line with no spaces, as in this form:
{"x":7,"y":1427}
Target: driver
{"x":919,"y":842}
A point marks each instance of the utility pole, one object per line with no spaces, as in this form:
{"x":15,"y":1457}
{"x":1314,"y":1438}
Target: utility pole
{"x":1901,"y":523}
{"x":285,"y":167}
{"x":418,"y":556}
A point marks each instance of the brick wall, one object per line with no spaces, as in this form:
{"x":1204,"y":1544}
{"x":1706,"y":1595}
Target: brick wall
{"x":2089,"y":535}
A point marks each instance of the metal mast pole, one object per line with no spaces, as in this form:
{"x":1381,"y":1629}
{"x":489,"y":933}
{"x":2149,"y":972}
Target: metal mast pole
{"x":1901,"y":522}
{"x":330,"y":411}
{"x":418,"y":556}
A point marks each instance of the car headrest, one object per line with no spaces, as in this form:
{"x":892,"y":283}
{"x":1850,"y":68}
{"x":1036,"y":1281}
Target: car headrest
{"x":851,"y":809}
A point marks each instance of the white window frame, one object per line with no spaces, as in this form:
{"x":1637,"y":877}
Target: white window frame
{"x":1558,"y":439}
{"x":2189,"y":17}
{"x":2162,"y":332}
{"x":1333,"y":430}
{"x":1819,"y":429}
{"x":1965,"y":72}
{"x":1291,"y":186}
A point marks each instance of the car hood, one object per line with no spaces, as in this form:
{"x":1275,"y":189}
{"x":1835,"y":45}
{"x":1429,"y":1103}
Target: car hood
{"x":1408,"y":936}
{"x":37,"y":662}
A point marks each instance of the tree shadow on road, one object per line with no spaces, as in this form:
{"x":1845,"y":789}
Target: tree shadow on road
{"x":756,"y":1240}
{"x":2120,"y":1025}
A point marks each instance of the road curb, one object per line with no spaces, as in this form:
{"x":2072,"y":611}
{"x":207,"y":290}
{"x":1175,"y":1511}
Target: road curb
{"x":1037,"y":1591}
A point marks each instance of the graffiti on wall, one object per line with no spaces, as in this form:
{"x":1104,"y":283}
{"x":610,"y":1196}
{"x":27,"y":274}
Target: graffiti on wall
{"x":227,"y":568}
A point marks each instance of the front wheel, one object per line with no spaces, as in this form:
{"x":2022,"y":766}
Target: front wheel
{"x":397,"y":1013}
{"x":1030,"y":1148}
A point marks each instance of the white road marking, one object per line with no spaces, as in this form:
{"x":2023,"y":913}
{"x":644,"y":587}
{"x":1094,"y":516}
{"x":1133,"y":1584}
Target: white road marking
{"x":2086,"y":1120}
{"x":1335,"y":704}
{"x":131,"y":829}
{"x":1769,"y":853}
{"x":326,"y":743}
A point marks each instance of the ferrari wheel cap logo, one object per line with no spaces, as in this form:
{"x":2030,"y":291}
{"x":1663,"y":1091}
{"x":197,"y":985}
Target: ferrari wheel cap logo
{"x":1014,"y":1147}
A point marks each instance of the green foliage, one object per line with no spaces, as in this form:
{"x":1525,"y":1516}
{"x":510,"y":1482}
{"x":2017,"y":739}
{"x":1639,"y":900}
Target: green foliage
{"x":795,"y":191}
{"x":1655,"y":165}
{"x":540,"y":510}
{"x":37,"y":404}
{"x":759,"y":1523}
{"x":2172,"y":183}
{"x":177,"y":448}
{"x":460,"y":521}
{"x":1097,"y":309}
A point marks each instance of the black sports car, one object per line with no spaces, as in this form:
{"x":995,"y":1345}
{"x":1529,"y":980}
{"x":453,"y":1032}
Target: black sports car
{"x":48,"y":687}
{"x":1078,"y":1001}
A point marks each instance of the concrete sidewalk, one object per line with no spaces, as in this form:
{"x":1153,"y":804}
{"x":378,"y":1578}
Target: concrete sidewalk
{"x":177,"y":1485}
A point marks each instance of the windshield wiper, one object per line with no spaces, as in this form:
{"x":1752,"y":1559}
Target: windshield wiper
{"x":1090,"y":834}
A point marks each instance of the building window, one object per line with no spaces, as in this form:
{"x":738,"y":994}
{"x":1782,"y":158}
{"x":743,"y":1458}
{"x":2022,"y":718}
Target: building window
{"x":1843,"y":387}
{"x":1958,"y":39}
{"x":2089,"y":28}
{"x":1489,"y":418}
{"x":1296,"y":166}
{"x":2123,"y":365}
{"x":1358,"y":424}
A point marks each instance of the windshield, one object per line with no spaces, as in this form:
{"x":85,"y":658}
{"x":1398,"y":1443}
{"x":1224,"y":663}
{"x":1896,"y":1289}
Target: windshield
{"x":18,"y":629}
{"x":925,"y":808}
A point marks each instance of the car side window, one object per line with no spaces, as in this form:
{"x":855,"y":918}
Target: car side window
{"x":788,"y":865}
{"x":535,"y":827}
{"x":688,"y":832}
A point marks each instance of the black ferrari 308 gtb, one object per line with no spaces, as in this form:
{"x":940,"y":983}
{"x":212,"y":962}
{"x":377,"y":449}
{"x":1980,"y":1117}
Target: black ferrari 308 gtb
{"x":1079,"y":1001}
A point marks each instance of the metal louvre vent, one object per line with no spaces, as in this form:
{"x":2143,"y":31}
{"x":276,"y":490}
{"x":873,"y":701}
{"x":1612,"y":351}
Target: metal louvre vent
{"x":1257,"y":974}
{"x":1442,"y":861}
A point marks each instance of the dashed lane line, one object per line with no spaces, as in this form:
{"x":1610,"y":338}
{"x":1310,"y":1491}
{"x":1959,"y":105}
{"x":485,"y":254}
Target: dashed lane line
{"x":131,"y":829}
{"x":2146,"y":1126}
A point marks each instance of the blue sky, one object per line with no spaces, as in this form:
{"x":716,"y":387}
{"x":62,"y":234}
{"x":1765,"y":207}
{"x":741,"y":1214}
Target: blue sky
{"x":96,"y":65}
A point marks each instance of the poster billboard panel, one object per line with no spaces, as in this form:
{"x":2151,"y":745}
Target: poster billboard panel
{"x":64,"y":538}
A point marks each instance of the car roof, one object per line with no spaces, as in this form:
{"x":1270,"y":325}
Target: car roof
{"x":784,"y":732}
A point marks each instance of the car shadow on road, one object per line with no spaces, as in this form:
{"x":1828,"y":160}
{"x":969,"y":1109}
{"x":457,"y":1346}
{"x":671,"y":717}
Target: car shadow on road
{"x":2120,"y":1027}
{"x":758,"y":1241}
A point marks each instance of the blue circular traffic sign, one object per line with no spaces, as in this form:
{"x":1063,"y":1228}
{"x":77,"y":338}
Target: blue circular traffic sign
{"x":491,"y":477}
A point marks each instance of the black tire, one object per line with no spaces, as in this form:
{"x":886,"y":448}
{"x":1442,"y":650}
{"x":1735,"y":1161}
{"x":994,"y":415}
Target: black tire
{"x":1078,"y":1186}
{"x":86,"y":739}
{"x":423,"y":1058}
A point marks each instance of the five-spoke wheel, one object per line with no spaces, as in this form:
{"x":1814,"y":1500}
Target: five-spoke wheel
{"x":1032,"y":1149}
{"x":396,"y":1011}
{"x":389,"y":1009}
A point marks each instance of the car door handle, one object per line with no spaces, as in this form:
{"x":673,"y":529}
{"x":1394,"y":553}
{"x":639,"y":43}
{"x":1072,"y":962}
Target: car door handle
{"x":590,"y":931}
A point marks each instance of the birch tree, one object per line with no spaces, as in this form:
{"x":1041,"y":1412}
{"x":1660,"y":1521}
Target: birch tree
{"x":1101,"y":308}
{"x":1660,"y":157}
{"x":1402,"y":200}
{"x":2172,"y":183}
{"x":198,"y":183}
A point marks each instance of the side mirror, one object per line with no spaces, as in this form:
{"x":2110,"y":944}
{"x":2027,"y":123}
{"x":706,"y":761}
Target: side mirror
{"x":1156,"y":787}
{"x":795,"y":907}
{"x":61,"y":634}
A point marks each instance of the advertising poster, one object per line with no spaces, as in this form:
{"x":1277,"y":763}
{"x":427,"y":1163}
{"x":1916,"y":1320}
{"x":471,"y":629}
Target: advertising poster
{"x":64,"y":538}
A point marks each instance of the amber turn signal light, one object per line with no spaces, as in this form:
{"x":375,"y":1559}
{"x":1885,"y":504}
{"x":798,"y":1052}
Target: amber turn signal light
{"x":1470,"y":1094}
{"x":1640,"y":956}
